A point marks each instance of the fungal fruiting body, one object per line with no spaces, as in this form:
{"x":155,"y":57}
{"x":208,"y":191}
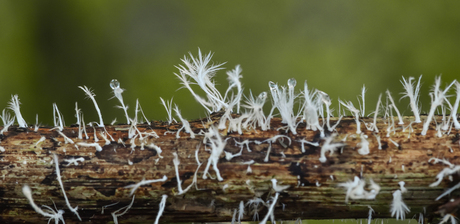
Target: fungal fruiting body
{"x":413,"y":95}
{"x":296,"y":109}
{"x":398,"y":207}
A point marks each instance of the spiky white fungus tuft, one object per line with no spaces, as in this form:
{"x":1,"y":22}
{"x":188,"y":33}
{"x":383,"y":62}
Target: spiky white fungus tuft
{"x":217,"y":147}
{"x":162,"y":207}
{"x":116,"y":213}
{"x":91,"y":95}
{"x":168,"y":108}
{"x":364,"y":150}
{"x":437,"y":98}
{"x":185,"y":124}
{"x":96,"y":145}
{"x":413,"y":95}
{"x":58,"y":173}
{"x":256,"y":116}
{"x":398,"y":207}
{"x":14,"y":106}
{"x":355,"y":189}
{"x":311,"y":106}
{"x":199,"y":70}
{"x":349,"y":105}
{"x":144,"y":182}
{"x":284,"y":102}
{"x":50,"y":213}
{"x":117,"y":91}
{"x":328,"y":146}
{"x":8,"y":120}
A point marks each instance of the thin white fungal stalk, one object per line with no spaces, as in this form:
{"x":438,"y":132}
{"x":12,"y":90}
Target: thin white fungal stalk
{"x":106,"y":206}
{"x":270,"y":210}
{"x":144,"y":182}
{"x":185,"y":124}
{"x":401,"y":122}
{"x":326,"y":100}
{"x":36,"y":126}
{"x":8,"y":120}
{"x":91,"y":95}
{"x":168,"y":108}
{"x":84,"y":126}
{"x":370,"y":214}
{"x":139,"y":109}
{"x":217,"y":147}
{"x":349,"y":105}
{"x":162,"y":208}
{"x":56,"y":215}
{"x":454,"y":110}
{"x":362,"y":107}
{"x":77,"y":115}
{"x":413,"y":95}
{"x":14,"y":106}
{"x":115,"y":214}
{"x":437,"y":98}
{"x":234,"y":81}
{"x":58,"y":173}
{"x":58,"y":121}
{"x":240,"y":211}
{"x":376,"y":113}
{"x":117,"y":91}
{"x":179,"y":182}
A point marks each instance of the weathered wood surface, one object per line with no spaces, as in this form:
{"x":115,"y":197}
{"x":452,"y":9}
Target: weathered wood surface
{"x":313,"y":192}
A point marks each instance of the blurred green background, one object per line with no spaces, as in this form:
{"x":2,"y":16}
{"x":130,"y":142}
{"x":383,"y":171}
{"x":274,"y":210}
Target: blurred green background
{"x":49,"y":47}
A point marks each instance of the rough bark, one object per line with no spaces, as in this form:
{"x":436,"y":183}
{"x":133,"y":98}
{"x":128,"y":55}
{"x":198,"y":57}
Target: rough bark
{"x":313,"y":191}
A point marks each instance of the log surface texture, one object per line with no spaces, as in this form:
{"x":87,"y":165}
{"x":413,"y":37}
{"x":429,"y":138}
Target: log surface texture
{"x":313,"y":191}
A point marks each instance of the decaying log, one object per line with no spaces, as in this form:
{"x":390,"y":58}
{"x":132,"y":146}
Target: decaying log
{"x":314,"y":193}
